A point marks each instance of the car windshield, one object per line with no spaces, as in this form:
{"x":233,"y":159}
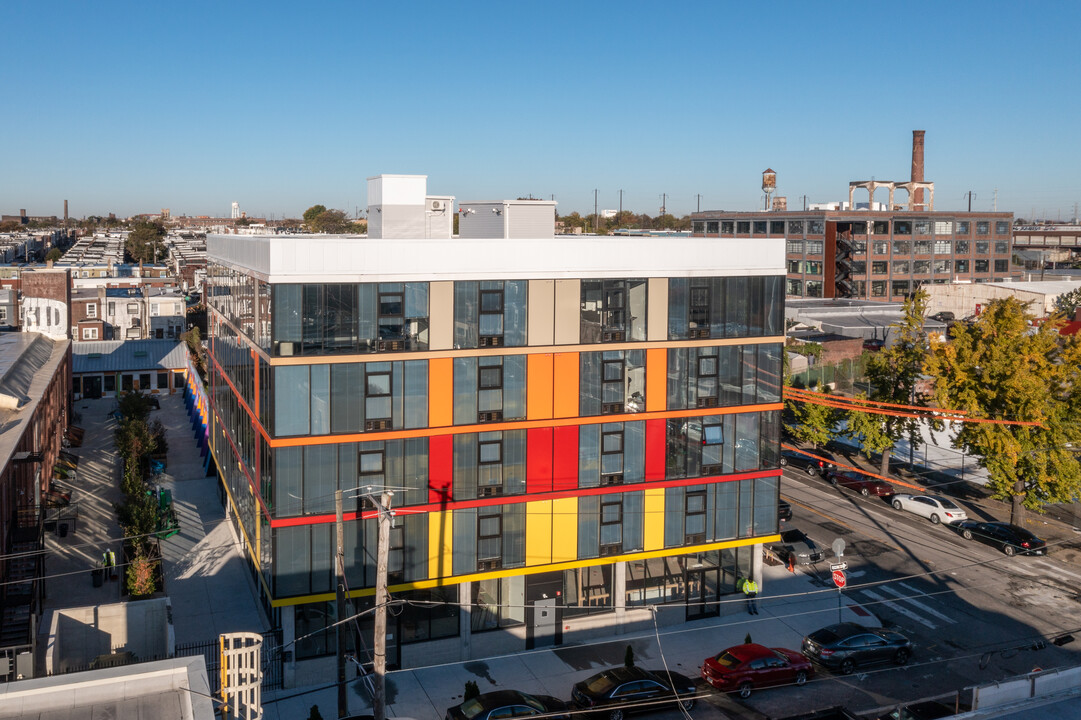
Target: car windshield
{"x":947,"y":503}
{"x":793,"y":536}
{"x":728,"y":660}
{"x":472,"y":708}
{"x":781,"y":655}
{"x":599,"y":683}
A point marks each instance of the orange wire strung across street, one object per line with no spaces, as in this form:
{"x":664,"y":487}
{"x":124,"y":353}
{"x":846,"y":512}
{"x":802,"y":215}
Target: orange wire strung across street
{"x":847,"y":404}
{"x":865,"y":401}
{"x":892,"y":481}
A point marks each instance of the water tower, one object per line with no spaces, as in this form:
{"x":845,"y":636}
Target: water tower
{"x":769,"y":185}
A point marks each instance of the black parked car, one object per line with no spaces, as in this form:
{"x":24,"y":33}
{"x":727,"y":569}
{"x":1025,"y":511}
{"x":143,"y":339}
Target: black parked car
{"x":796,"y":545}
{"x":508,"y":704}
{"x":784,"y":511}
{"x":1010,"y":539}
{"x":846,"y":646}
{"x":623,"y":690}
{"x":808,"y":464}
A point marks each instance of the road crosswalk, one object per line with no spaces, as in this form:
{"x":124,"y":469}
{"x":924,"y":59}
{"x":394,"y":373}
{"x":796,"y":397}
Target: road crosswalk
{"x":927,"y":610}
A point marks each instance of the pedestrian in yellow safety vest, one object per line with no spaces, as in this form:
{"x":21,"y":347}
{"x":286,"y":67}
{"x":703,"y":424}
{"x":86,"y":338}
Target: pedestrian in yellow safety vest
{"x":750,"y":590}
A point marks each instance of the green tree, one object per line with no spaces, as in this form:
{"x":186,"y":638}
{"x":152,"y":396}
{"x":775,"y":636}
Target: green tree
{"x":1003,"y":368}
{"x":144,"y":242}
{"x":869,"y":431}
{"x":330,"y":221}
{"x":893,"y":374}
{"x":54,"y":255}
{"x":313,"y":212}
{"x":812,"y":423}
{"x":1067,"y":303}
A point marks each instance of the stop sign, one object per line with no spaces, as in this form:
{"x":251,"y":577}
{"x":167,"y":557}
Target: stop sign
{"x":839,"y":578}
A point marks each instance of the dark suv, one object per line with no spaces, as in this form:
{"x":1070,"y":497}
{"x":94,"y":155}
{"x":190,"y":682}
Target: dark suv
{"x":808,"y":464}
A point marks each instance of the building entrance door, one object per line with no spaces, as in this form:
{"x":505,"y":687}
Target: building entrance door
{"x":544,"y":622}
{"x":91,"y":386}
{"x":703,"y":593}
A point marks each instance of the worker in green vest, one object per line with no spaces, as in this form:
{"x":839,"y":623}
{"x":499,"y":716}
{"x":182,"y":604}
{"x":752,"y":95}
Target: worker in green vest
{"x":750,"y":591}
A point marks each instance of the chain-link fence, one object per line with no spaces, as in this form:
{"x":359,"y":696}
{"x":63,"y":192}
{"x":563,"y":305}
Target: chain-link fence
{"x":842,"y":375}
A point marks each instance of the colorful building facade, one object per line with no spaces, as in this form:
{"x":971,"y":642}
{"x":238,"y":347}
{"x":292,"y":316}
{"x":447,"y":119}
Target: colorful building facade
{"x":574,"y":429}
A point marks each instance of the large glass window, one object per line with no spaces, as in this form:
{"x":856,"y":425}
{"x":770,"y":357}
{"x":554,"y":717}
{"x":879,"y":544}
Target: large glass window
{"x":319,"y":319}
{"x":498,"y":603}
{"x":489,"y":389}
{"x":490,"y":313}
{"x":613,"y":311}
{"x":612,"y":381}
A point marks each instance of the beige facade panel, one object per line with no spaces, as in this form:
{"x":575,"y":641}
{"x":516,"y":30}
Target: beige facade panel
{"x":568,"y":310}
{"x":657,"y":309}
{"x":541,"y":321}
{"x":441,"y":315}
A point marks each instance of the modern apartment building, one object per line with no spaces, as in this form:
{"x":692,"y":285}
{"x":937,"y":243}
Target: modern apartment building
{"x":575,"y":429}
{"x":874,"y":255}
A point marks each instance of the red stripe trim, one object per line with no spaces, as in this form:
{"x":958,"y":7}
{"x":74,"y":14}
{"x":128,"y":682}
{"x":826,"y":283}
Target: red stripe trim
{"x":532,"y":497}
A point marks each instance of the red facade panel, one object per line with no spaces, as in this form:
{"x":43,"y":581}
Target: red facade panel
{"x":440,"y":468}
{"x":565,"y":459}
{"x":655,"y":450}
{"x":538,"y":474}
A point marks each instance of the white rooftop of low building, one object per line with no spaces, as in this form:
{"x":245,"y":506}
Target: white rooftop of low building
{"x":1046,"y":287}
{"x":175,"y":688}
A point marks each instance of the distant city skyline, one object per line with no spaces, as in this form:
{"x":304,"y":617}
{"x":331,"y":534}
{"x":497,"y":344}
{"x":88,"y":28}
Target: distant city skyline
{"x":136,"y":107}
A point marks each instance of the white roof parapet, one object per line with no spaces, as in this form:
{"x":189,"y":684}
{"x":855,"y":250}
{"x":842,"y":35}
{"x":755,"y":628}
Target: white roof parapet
{"x":351,"y":258}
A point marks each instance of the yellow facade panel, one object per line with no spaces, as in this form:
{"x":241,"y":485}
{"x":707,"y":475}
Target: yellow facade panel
{"x":654,"y":519}
{"x":564,"y":530}
{"x":440,"y":544}
{"x":538,"y":532}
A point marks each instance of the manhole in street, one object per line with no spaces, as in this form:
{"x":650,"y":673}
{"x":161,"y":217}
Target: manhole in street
{"x":835,"y":528}
{"x":868,"y":548}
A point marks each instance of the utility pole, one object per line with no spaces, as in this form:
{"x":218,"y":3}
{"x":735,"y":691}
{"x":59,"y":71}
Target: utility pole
{"x":596,"y":219}
{"x":379,"y":701}
{"x":339,"y":630}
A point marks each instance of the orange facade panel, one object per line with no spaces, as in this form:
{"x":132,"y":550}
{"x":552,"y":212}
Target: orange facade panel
{"x":656,"y":379}
{"x":565,"y":385}
{"x":539,"y":387}
{"x":441,"y":392}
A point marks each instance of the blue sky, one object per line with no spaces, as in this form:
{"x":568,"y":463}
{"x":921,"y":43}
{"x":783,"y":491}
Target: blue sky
{"x":129,"y":107}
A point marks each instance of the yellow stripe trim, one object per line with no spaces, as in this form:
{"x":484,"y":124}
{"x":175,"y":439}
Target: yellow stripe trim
{"x":495,"y":574}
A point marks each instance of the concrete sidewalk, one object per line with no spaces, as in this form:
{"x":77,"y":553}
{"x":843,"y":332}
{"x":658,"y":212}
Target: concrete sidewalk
{"x":791,"y":606}
{"x":206,"y":577}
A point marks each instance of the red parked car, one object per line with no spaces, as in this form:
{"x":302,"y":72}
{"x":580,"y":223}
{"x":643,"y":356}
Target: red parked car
{"x":860,"y":483}
{"x":745,"y":667}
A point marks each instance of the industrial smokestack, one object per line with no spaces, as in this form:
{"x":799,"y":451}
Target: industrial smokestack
{"x":65,"y":212}
{"x":917,"y":165}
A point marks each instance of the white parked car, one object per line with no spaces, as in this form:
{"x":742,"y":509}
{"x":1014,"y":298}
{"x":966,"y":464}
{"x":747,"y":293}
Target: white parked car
{"x":936,"y":508}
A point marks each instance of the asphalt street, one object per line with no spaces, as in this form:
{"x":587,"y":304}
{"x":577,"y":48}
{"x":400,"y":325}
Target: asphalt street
{"x":973,"y":613}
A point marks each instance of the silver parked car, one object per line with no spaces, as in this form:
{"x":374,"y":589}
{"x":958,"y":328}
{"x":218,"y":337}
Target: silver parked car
{"x":935,"y":508}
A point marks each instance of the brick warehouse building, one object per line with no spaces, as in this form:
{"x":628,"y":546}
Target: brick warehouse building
{"x":874,"y":255}
{"x":588,"y":426}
